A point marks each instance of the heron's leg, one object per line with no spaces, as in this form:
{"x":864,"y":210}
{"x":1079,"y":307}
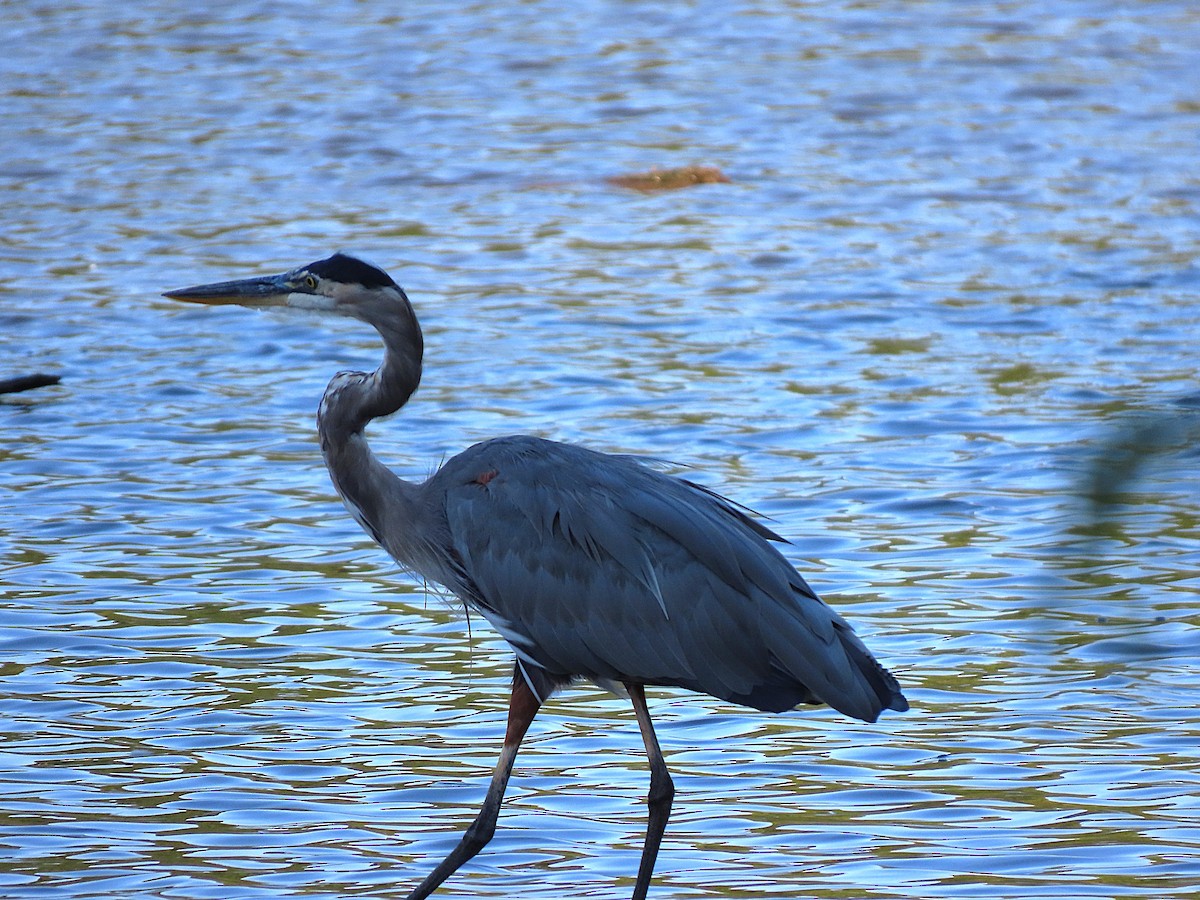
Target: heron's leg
{"x":522,"y":707}
{"x":662,"y":792}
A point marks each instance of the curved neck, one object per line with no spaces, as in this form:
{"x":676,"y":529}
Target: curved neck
{"x":353,"y":399}
{"x":383,"y":503}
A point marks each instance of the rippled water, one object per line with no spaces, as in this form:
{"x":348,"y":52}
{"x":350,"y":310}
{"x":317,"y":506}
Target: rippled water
{"x":957,"y":250}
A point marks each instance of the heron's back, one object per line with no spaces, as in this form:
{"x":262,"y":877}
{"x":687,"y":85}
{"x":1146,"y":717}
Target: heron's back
{"x":594,"y":565}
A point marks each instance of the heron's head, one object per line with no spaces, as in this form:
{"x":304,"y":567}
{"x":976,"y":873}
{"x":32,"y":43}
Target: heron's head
{"x":341,"y":284}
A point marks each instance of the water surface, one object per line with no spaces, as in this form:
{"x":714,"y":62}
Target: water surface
{"x":956,"y":253}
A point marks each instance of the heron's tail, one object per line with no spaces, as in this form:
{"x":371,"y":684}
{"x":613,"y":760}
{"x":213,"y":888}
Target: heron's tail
{"x":884,"y":688}
{"x":819,"y":649}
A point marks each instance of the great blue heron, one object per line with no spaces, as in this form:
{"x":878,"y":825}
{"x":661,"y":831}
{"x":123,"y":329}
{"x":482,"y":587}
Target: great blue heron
{"x":590,"y":565}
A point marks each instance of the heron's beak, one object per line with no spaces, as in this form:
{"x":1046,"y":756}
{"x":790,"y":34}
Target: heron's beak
{"x":270,"y":290}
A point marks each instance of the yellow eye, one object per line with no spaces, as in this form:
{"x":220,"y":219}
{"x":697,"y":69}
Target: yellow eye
{"x":310,"y":282}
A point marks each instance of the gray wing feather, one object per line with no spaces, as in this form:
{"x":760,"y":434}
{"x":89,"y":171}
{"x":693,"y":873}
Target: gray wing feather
{"x":593,"y":565}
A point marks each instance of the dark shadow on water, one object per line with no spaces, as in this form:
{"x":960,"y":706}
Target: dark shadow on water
{"x":1135,"y":441}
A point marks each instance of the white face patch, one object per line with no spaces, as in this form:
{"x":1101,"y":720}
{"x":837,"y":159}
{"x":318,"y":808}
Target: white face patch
{"x":312,"y":302}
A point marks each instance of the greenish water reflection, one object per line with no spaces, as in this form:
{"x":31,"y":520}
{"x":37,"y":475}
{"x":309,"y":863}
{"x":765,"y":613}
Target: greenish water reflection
{"x":957,"y":250}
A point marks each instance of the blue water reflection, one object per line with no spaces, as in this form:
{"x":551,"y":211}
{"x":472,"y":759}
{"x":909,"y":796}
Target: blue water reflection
{"x":957,"y":248}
